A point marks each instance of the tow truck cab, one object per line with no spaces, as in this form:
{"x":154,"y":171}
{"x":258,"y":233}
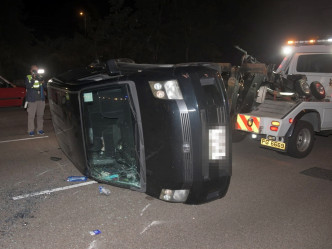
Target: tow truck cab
{"x":312,"y":58}
{"x":159,"y":129}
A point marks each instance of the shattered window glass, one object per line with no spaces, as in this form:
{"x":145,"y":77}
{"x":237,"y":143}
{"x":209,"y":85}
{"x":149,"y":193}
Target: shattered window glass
{"x":109,"y":127}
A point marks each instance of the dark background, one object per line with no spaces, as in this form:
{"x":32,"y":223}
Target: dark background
{"x":54,"y":36}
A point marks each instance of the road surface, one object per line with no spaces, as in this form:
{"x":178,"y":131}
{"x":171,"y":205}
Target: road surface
{"x":274,"y":201}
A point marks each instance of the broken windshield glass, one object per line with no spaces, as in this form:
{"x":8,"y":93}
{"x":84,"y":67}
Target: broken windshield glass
{"x":109,"y":127}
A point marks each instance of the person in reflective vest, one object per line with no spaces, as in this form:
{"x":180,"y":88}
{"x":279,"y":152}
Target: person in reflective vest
{"x":36,"y":101}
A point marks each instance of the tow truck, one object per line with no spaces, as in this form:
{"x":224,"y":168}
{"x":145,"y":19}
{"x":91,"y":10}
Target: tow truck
{"x":293,"y":103}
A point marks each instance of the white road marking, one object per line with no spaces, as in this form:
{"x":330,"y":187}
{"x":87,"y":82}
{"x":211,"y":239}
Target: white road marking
{"x":145,"y":209}
{"x":52,"y":190}
{"x":153,"y":223}
{"x":21,"y":139}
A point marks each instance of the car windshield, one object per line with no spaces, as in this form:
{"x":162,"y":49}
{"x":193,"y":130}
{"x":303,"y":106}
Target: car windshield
{"x":109,"y":127}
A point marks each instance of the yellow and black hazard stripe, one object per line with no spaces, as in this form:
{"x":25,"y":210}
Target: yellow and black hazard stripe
{"x":247,"y":123}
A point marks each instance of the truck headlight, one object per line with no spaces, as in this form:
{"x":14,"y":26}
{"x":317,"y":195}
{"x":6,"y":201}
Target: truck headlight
{"x":166,"y":89}
{"x":287,"y":50}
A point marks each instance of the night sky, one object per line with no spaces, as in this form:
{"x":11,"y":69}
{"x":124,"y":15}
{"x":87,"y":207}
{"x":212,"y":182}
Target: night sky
{"x":60,"y":18}
{"x":267,"y":27}
{"x":260,"y":27}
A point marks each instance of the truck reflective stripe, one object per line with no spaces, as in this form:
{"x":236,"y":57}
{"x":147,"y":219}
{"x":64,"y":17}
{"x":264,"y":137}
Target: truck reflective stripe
{"x":256,"y":124}
{"x":247,"y":123}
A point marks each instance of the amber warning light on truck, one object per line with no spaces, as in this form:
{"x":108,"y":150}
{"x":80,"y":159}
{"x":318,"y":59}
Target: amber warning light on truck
{"x":308,"y":42}
{"x":286,"y":50}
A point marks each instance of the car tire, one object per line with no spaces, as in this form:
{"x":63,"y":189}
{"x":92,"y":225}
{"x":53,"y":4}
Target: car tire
{"x":317,"y":90}
{"x":302,"y":140}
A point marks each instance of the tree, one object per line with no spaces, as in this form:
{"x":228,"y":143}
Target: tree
{"x":16,"y":41}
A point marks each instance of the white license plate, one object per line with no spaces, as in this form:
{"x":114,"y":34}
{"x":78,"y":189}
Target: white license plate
{"x":273,"y":144}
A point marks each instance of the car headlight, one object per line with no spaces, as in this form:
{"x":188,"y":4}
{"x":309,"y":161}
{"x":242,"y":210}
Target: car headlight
{"x":179,"y":195}
{"x":166,"y":89}
{"x":302,"y":87}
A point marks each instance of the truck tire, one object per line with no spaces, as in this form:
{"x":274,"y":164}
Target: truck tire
{"x":302,"y":140}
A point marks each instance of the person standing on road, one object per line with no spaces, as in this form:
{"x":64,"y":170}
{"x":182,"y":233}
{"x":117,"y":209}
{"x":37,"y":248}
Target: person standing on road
{"x":36,"y":101}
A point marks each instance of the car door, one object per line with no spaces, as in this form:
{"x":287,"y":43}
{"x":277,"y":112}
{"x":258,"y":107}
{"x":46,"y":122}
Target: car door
{"x":10,"y":95}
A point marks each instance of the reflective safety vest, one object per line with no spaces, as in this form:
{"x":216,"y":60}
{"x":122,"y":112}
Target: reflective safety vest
{"x":37,"y":84}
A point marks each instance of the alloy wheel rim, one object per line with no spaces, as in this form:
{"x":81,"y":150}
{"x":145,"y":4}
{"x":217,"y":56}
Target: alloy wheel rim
{"x":303,"y":140}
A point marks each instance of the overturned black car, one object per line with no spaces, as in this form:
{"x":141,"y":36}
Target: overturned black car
{"x":159,"y":129}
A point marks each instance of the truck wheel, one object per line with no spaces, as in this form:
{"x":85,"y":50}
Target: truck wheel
{"x":301,"y":142}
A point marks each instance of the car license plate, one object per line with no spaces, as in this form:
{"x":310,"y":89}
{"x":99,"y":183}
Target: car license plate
{"x":273,"y":144}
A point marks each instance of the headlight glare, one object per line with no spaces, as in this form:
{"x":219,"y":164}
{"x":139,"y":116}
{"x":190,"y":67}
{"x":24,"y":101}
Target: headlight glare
{"x":173,"y":90}
{"x":41,"y":71}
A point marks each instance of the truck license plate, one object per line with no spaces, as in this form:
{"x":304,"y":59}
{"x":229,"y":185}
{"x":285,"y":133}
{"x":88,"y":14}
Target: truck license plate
{"x":273,"y":144}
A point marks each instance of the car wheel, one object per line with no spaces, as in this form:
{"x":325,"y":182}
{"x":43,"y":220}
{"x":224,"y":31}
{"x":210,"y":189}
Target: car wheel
{"x":301,"y":142}
{"x":317,"y":90}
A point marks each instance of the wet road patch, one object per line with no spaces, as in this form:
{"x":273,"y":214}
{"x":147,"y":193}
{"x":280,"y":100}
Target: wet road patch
{"x":316,"y":172}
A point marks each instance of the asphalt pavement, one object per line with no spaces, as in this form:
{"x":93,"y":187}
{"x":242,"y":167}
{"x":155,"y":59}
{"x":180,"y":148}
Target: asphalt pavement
{"x":274,"y":201}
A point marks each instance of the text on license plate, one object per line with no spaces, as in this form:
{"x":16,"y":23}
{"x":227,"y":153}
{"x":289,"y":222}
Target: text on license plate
{"x":273,"y":144}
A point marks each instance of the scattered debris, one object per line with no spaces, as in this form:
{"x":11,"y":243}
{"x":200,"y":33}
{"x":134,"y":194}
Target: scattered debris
{"x":76,"y":178}
{"x":104,"y":191}
{"x":95,"y":232}
{"x":54,"y":158}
